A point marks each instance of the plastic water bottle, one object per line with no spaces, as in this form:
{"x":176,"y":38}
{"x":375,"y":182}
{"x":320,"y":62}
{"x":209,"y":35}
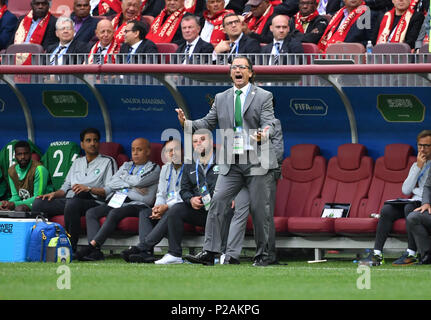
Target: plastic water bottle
{"x":369,"y":47}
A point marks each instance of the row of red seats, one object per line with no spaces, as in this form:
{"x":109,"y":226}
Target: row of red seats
{"x":352,"y":177}
{"x":308,"y":182}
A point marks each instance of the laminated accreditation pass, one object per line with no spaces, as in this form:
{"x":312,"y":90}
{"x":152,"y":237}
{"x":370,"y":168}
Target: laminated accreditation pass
{"x":238,"y":141}
{"x":117,"y":200}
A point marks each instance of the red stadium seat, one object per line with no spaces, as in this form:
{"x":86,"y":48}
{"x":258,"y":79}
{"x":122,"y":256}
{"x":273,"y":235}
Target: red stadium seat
{"x":310,"y":48}
{"x":346,"y":50}
{"x":348,"y":179}
{"x":300,"y":185}
{"x":156,"y":153}
{"x":166,"y":48}
{"x":19,"y":7}
{"x":389,"y":174}
{"x":303,"y":174}
{"x":114,"y":150}
{"x":391,"y":53}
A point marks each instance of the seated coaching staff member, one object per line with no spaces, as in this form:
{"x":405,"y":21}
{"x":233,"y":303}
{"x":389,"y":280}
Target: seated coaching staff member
{"x":75,"y":196}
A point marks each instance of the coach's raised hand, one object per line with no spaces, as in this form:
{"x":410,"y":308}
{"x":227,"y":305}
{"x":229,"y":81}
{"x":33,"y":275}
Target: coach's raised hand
{"x":181,"y":116}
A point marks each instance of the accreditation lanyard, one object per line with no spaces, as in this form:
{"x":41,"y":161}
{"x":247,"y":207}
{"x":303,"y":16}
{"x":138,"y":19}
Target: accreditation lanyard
{"x":178,"y":178}
{"x":423,"y":171}
{"x":125,"y":190}
{"x":205,"y":171}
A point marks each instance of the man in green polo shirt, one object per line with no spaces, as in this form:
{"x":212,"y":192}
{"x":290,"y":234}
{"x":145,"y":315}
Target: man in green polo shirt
{"x":27,"y":179}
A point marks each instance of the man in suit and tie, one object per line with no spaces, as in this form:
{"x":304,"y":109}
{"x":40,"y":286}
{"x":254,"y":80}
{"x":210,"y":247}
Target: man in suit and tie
{"x":238,"y":42}
{"x":245,"y":160}
{"x":135,"y":44}
{"x":105,"y":49}
{"x":193,"y":43}
{"x":283,"y":43}
{"x":85,"y":24}
{"x":60,"y":52}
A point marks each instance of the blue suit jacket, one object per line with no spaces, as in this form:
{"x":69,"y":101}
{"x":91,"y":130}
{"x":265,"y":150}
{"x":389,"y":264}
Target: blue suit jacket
{"x":86,"y":32}
{"x":8,"y":25}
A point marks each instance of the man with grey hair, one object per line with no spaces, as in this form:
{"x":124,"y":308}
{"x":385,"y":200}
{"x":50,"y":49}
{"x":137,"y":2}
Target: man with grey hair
{"x":193,"y":43}
{"x":60,"y":52}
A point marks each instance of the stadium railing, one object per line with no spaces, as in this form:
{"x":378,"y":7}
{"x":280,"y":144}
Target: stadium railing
{"x":326,"y":75}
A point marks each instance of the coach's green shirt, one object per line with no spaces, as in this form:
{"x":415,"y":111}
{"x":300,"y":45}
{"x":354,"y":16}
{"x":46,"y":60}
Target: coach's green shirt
{"x":40,"y":183}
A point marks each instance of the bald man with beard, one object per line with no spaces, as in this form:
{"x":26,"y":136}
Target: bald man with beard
{"x":131,"y":189}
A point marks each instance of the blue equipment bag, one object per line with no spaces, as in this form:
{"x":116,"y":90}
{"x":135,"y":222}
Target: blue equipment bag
{"x":49,"y":242}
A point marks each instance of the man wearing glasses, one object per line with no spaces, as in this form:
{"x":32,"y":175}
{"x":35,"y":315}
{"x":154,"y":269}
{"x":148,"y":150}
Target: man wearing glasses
{"x":238,"y":42}
{"x":414,"y":184}
{"x":244,"y":161}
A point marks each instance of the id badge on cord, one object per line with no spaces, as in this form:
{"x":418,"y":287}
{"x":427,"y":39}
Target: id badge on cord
{"x":238,"y":141}
{"x":117,"y":200}
{"x":206,"y":197}
{"x":171,"y":198}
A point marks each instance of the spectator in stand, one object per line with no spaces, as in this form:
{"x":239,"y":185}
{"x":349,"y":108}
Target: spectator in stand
{"x":130,"y":190}
{"x":135,"y":43}
{"x":76,"y":194}
{"x":414,"y":184}
{"x":258,"y":20}
{"x":308,"y":22}
{"x":212,"y":22}
{"x":345,"y":27}
{"x":401,"y":24}
{"x":193,"y":43}
{"x":238,"y":42}
{"x":8,"y":23}
{"x":85,"y":24}
{"x":38,"y":26}
{"x":107,"y":8}
{"x":28,"y":179}
{"x":105,"y":49}
{"x":131,"y":10}
{"x":283,"y":43}
{"x":166,"y":26}
{"x":60,"y":52}
{"x":152,"y":7}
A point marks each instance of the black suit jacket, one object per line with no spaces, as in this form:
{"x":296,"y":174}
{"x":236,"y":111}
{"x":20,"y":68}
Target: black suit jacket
{"x":146,"y":46}
{"x":86,"y":32}
{"x":237,"y":6}
{"x":291,"y":44}
{"x":247,"y":45}
{"x":200,"y":47}
{"x":319,"y":23}
{"x":153,"y":8}
{"x":7,"y":25}
{"x":75,"y":47}
{"x":49,"y":38}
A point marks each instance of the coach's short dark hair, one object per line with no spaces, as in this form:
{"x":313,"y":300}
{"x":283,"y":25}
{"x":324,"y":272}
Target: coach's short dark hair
{"x":87,"y":131}
{"x":22,"y":144}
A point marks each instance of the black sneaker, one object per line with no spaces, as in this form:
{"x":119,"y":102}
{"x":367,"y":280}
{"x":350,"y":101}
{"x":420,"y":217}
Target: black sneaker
{"x":373,"y":260}
{"x":95,"y":255}
{"x":83,"y":252}
{"x":405,"y":260}
{"x":142,"y":257}
{"x":204,"y":257}
{"x":125,"y":254}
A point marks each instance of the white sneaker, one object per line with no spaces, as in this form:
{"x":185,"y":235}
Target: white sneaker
{"x":169,"y":259}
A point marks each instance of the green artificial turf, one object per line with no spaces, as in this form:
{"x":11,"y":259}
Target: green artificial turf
{"x":115,"y":279}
